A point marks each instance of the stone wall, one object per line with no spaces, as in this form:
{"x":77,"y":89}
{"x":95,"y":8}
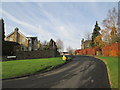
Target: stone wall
{"x":36,"y":54}
{"x":33,"y":55}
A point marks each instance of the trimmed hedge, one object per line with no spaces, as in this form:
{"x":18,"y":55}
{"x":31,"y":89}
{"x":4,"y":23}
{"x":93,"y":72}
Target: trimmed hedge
{"x":87,"y":51}
{"x":110,"y":50}
{"x":8,"y":47}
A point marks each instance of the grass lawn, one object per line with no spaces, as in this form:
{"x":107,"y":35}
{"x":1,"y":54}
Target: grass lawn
{"x":112,"y":65}
{"x":25,"y":67}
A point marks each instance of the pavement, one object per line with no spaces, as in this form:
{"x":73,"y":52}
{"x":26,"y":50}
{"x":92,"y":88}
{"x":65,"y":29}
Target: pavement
{"x":80,"y":72}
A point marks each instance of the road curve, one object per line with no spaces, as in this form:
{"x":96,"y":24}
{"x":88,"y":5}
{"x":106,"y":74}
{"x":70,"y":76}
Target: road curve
{"x":81,"y":72}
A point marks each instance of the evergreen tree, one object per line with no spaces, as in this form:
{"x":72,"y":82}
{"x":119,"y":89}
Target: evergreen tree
{"x":95,"y":34}
{"x":2,"y":27}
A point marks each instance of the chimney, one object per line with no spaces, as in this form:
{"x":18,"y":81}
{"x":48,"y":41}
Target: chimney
{"x":16,"y":34}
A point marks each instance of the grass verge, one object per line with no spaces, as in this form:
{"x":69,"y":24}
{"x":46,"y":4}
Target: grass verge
{"x":19,"y":68}
{"x":112,"y":65}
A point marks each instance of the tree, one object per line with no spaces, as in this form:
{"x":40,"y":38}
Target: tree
{"x":44,"y":45}
{"x":95,"y":34}
{"x":39,"y":44}
{"x":70,"y":50}
{"x":82,"y":41}
{"x":118,"y":22}
{"x":60,"y":45}
{"x":98,"y":41}
{"x":3,"y":30}
{"x":110,"y":32}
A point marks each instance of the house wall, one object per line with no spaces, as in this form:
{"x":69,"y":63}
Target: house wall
{"x":85,"y":44}
{"x":22,"y":40}
{"x":39,"y":45}
{"x":32,"y":43}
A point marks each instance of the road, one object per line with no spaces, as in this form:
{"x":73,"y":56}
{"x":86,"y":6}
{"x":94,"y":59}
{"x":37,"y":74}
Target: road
{"x":81,"y":72}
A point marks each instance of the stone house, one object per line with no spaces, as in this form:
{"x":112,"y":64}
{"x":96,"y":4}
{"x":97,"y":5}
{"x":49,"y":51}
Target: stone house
{"x":27,"y":43}
{"x":85,"y":44}
{"x":18,"y":37}
{"x":52,"y":44}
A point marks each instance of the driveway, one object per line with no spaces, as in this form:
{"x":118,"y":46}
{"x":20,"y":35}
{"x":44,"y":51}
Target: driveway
{"x":81,"y":72}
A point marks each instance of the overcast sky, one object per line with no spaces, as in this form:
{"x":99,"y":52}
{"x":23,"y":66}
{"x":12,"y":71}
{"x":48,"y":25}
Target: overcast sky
{"x":68,"y":21}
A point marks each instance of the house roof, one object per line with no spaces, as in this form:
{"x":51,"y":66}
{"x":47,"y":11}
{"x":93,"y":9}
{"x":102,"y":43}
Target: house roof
{"x":18,"y":32}
{"x":9,"y":34}
{"x":23,"y":35}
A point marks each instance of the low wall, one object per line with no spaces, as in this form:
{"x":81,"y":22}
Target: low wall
{"x":34,"y":54}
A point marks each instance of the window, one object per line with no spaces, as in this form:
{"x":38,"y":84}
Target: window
{"x":23,"y":39}
{"x":11,"y":39}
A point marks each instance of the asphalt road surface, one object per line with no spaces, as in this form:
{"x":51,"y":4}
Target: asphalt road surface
{"x":81,"y":72}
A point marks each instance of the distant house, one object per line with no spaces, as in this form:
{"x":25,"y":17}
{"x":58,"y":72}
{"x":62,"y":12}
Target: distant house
{"x":64,"y":53}
{"x":32,"y":43}
{"x":85,"y":44}
{"x":52,"y":44}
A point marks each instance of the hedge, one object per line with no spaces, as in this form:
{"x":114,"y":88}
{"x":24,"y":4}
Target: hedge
{"x":110,"y":50}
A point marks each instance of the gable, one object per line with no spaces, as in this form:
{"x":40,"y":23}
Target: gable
{"x":9,"y":35}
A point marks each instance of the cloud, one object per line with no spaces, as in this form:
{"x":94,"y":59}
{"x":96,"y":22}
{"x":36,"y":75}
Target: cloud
{"x":29,"y":26}
{"x":63,"y":30}
{"x":59,"y":1}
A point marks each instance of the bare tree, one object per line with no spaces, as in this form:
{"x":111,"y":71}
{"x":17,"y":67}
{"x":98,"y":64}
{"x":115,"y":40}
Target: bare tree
{"x":110,"y":31}
{"x":44,"y":45}
{"x":60,"y":45}
{"x":87,"y":36}
{"x":45,"y":42}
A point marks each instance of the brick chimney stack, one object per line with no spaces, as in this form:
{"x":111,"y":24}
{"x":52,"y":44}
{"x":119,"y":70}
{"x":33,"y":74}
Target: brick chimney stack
{"x":16,"y":34}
